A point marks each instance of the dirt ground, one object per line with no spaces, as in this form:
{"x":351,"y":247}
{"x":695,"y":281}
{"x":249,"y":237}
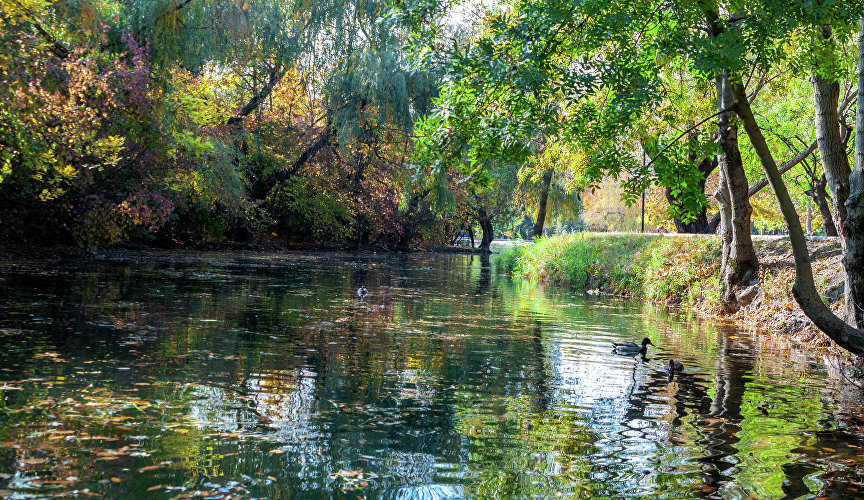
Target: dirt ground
{"x":774,"y":310}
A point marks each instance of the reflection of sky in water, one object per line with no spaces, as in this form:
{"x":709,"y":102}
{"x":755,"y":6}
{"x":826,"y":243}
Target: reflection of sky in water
{"x":284,"y":398}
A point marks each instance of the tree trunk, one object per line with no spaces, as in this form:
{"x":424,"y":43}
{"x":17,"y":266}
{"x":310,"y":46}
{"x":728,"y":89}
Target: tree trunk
{"x":486,"y":225}
{"x":820,"y":196}
{"x":361,"y":226}
{"x":740,"y":271}
{"x":409,"y":224}
{"x":261,"y":186}
{"x":853,"y":260}
{"x":544,"y":200}
{"x":804,"y":288}
{"x":277,"y":71}
{"x":699,"y":225}
{"x":725,"y":213}
{"x":835,"y":163}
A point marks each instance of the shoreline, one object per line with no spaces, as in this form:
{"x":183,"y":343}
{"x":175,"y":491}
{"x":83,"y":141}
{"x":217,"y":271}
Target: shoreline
{"x":15,"y":254}
{"x":682,"y":271}
{"x":667,"y":269}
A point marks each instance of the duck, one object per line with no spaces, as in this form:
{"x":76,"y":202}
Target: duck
{"x":632,"y":347}
{"x":362,"y":292}
{"x":675,"y":366}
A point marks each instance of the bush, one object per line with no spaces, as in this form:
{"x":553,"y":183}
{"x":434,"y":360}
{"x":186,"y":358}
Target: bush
{"x":303,"y":211}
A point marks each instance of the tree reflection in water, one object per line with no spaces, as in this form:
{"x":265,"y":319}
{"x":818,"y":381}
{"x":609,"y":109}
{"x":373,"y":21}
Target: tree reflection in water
{"x":265,"y":376}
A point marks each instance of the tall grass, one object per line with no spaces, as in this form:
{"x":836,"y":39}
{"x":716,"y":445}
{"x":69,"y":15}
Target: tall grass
{"x":661,"y":268}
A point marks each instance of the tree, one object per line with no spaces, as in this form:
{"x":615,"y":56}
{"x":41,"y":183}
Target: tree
{"x":853,"y":259}
{"x":525,"y":75}
{"x":804,"y":288}
{"x":227,"y":103}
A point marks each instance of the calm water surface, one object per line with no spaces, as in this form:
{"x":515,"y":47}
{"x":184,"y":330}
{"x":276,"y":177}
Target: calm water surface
{"x":215,"y":376}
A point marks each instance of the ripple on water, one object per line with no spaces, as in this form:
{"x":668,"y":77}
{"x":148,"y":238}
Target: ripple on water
{"x":264,"y":376}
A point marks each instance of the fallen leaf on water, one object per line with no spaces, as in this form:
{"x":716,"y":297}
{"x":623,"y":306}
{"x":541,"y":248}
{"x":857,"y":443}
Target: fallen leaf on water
{"x":350,"y":473}
{"x":157,"y":487}
{"x":149,"y":467}
{"x":33,"y":461}
{"x":277,"y":450}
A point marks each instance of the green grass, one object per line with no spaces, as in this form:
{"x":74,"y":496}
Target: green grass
{"x":667,"y":269}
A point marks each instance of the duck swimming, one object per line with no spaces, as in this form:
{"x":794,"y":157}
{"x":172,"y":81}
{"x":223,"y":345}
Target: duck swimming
{"x":632,"y":347}
{"x":675,"y":366}
{"x":362,"y":292}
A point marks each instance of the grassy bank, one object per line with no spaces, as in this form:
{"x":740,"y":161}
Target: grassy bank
{"x":678,"y":270}
{"x":665,"y":269}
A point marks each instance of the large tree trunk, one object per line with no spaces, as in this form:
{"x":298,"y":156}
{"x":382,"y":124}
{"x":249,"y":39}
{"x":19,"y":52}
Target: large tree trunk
{"x":740,"y":271}
{"x":544,"y":200}
{"x":761,"y":183}
{"x":853,"y":260}
{"x":804,"y":288}
{"x":485,"y":222}
{"x":835,"y":163}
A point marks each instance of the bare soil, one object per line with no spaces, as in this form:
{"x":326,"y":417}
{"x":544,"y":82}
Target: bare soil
{"x":774,"y":310}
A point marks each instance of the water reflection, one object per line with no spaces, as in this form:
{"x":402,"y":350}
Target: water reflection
{"x":266,"y":376}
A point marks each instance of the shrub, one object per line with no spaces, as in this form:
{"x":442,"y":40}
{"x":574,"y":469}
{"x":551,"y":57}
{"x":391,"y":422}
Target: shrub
{"x":303,"y":211}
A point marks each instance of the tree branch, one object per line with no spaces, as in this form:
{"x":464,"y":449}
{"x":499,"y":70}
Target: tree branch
{"x":319,"y":143}
{"x":692,"y":128}
{"x":276,"y":74}
{"x":171,"y":10}
{"x":758,"y":186}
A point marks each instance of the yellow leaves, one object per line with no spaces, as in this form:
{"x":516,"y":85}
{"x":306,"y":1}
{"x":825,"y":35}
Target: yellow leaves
{"x":108,"y":149}
{"x":23,"y":10}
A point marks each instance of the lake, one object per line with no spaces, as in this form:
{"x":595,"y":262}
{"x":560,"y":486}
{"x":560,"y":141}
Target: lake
{"x":220,"y":375}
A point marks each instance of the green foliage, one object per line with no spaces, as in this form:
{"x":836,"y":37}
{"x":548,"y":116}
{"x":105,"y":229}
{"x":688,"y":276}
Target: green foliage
{"x":672,"y":270}
{"x":611,"y":79}
{"x":300,"y":209}
{"x":122,"y":118}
